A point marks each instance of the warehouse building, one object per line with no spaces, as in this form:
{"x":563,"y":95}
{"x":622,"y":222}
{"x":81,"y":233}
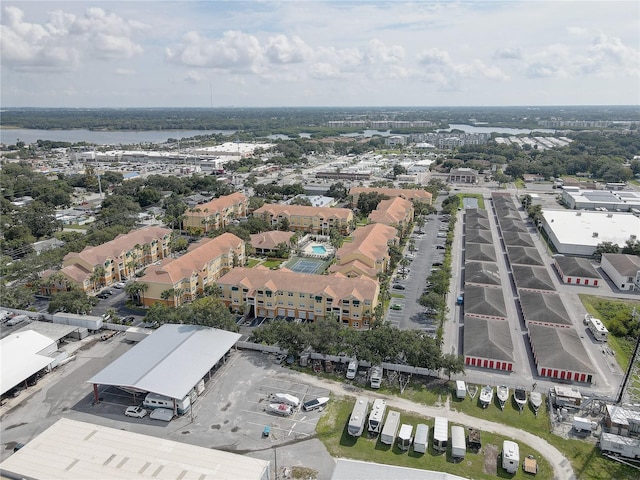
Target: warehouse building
{"x":83,"y":451}
{"x":559,"y":353}
{"x":576,"y":271}
{"x":579,"y":233}
{"x":621,"y":201}
{"x":487,"y":344}
{"x":623,"y":270}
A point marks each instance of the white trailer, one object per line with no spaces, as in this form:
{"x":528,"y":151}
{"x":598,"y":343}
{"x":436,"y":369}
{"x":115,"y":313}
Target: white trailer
{"x":352,"y":369}
{"x":611,"y":444}
{"x":137,"y":334}
{"x":597,"y":329}
{"x":376,"y":376}
{"x":461,"y":389}
{"x":458,"y":442}
{"x":581,"y":424}
{"x":510,"y":456}
{"x":153,"y":400}
{"x":87,"y":321}
{"x":421,"y":440}
{"x":390,"y":428}
{"x":405,"y":436}
{"x":358,"y":417}
{"x":377,"y":416}
{"x":441,"y":434}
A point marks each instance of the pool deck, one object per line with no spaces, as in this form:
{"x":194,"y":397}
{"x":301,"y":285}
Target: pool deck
{"x":307,"y":251}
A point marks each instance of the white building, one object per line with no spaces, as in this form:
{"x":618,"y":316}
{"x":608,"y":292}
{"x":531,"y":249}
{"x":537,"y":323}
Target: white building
{"x":623,"y":270}
{"x":24,"y":354}
{"x":579,"y":233}
{"x":613,"y":200}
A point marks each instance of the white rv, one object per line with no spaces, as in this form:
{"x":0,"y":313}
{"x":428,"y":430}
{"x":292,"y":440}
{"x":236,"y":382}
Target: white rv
{"x":461,"y":389}
{"x":390,"y":428}
{"x":458,"y":442}
{"x":510,"y":456}
{"x":376,"y":376}
{"x":441,"y":434}
{"x":352,"y":369}
{"x":597,"y":329}
{"x":358,"y":417}
{"x":376,"y":416}
{"x":153,"y":400}
{"x":421,"y":441}
{"x":404,"y":437}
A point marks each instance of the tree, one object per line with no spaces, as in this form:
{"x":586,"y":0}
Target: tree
{"x":368,"y":202}
{"x":631,"y":247}
{"x":283,"y":224}
{"x":282,"y":250}
{"x":420,"y":222}
{"x":433,"y":300}
{"x":452,"y":364}
{"x":73,"y":301}
{"x":211,"y":312}
{"x":40,"y":219}
{"x":301,"y":201}
{"x":412,"y":244}
{"x":399,"y":170}
{"x":136,"y":290}
{"x":337,"y":190}
{"x":404,"y":263}
{"x":605,"y":247}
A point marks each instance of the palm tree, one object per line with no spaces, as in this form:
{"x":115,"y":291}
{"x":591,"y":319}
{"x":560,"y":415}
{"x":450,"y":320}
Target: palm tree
{"x":97,"y":276}
{"x":420,"y":223}
{"x":166,"y":294}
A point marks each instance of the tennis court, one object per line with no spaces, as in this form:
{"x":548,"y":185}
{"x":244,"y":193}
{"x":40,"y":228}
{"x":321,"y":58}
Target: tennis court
{"x":305,"y":265}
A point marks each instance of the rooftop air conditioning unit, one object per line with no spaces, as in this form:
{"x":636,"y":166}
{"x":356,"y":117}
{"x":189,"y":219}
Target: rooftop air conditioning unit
{"x":578,"y":214}
{"x":609,"y":215}
{"x":595,"y":235}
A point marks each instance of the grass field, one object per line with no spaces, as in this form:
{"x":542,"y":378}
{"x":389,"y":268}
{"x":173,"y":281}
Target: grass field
{"x":253,"y":262}
{"x":332,"y":432}
{"x":272,"y":262}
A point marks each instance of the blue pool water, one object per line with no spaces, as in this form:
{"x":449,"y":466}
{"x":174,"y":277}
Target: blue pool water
{"x":319,"y":249}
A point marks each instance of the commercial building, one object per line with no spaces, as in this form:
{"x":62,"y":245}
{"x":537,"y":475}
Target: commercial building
{"x":368,"y":252}
{"x":267,"y":242}
{"x":170,"y":362}
{"x":463,"y":175}
{"x":308,"y":219}
{"x":576,"y":271}
{"x":623,"y":270}
{"x":285,"y":293}
{"x":411,"y":194}
{"x":395,"y":212}
{"x":186,"y":277}
{"x":84,"y":451}
{"x":113,"y":261}
{"x":579,"y":233}
{"x":218,"y":213}
{"x":618,"y":201}
{"x":24,"y":354}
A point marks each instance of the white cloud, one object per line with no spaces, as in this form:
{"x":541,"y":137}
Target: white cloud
{"x":576,"y":31}
{"x":508,"y":53}
{"x":609,"y":52}
{"x":554,"y":61}
{"x":66,"y":39}
{"x":192,"y":77}
{"x":280,"y":49}
{"x":125,"y":71}
{"x":440,"y":68}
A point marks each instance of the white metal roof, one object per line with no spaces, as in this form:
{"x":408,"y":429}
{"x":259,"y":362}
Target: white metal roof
{"x":20,"y":359}
{"x":77,"y":450}
{"x":350,"y":469}
{"x":170,"y":361}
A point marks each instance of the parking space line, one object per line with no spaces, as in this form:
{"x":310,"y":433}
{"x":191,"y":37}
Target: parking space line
{"x":279,"y":429}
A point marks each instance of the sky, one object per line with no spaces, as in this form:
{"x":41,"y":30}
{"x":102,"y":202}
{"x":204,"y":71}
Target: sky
{"x":307,"y":53}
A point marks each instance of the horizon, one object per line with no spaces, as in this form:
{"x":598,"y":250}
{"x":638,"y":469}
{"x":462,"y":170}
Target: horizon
{"x":319,"y":54}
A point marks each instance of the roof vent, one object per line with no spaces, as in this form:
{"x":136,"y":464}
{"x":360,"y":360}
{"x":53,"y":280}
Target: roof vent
{"x":595,"y":235}
{"x":609,"y":215}
{"x":578,"y":214}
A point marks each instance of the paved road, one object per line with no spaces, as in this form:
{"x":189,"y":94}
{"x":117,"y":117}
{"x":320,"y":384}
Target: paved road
{"x":561,"y":466}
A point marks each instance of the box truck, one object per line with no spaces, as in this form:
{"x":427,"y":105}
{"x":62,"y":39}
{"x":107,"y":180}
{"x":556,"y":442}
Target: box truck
{"x":421,"y":440}
{"x":390,"y":428}
{"x":582,"y":424}
{"x":461,"y":389}
{"x":358,"y":417}
{"x":458,"y":442}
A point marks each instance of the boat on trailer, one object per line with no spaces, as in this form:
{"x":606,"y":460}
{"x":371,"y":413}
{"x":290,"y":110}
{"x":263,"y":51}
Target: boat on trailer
{"x":281,"y":409}
{"x":520,"y":396}
{"x":486,"y":396}
{"x":472,"y":390}
{"x":535,"y":398}
{"x":503,"y":395}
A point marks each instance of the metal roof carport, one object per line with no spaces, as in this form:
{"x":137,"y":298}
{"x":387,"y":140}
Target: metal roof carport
{"x":19,"y":354}
{"x":73,"y":450}
{"x":169,"y":362}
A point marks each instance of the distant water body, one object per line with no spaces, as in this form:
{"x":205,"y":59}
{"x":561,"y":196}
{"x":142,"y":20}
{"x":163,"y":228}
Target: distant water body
{"x":11,"y":135}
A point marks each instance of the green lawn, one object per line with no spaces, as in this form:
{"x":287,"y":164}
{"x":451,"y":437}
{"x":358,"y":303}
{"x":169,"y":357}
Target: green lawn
{"x":253,"y":262}
{"x":477,"y":196}
{"x":332,"y":432}
{"x":397,"y":295}
{"x":273,"y":262}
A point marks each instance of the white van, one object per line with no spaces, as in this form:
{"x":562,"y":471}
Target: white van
{"x":352,"y":369}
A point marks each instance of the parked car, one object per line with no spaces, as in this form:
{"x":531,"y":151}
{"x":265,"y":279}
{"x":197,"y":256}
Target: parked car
{"x":136,"y":412}
{"x":396,"y":306}
{"x":102,"y":295}
{"x":129,"y":319}
{"x":153,"y":324}
{"x":397,"y":286}
{"x":440,"y":247}
{"x":119,"y":285}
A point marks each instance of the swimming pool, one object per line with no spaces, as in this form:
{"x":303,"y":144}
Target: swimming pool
{"x":319,"y":249}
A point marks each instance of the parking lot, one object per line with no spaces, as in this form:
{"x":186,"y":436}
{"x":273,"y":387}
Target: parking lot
{"x":230,"y":414}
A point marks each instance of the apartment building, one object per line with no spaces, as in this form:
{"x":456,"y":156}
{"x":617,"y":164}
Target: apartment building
{"x":308,"y":219}
{"x":289,"y":294}
{"x":367,"y":254}
{"x":411,"y":194}
{"x":217,"y":213}
{"x":113,"y":261}
{"x":395,"y":212}
{"x":179,"y":280}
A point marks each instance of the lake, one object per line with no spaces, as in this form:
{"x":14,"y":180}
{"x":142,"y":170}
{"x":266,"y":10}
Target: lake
{"x":11,"y":135}
{"x":475,"y":129}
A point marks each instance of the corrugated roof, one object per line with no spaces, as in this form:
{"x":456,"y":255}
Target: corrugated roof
{"x":559,"y":348}
{"x":73,"y":450}
{"x":354,"y":469}
{"x":169,"y":362}
{"x":20,"y":359}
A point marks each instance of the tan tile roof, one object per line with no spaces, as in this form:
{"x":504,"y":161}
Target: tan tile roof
{"x":172,"y":270}
{"x":270,"y":240}
{"x":76,"y":273}
{"x":217,"y":205}
{"x":336,"y":286}
{"x":304,"y":211}
{"x":354,"y":266}
{"x":371,"y":241}
{"x":391,"y":211}
{"x":394,"y":192}
{"x":122,"y":243}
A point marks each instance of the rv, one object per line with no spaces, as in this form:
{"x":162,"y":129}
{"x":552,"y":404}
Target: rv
{"x":597,"y":329}
{"x":390,"y":428}
{"x":153,"y":400}
{"x":441,"y":434}
{"x":510,"y":456}
{"x":358,"y":416}
{"x":458,"y":443}
{"x":376,"y":376}
{"x":421,"y":441}
{"x":376,"y":416}
{"x":404,"y":437}
{"x":461,"y":389}
{"x":352,"y":369}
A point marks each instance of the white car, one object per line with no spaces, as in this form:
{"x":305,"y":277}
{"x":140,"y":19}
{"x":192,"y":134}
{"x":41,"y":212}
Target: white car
{"x":136,"y":412}
{"x":119,"y":285}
